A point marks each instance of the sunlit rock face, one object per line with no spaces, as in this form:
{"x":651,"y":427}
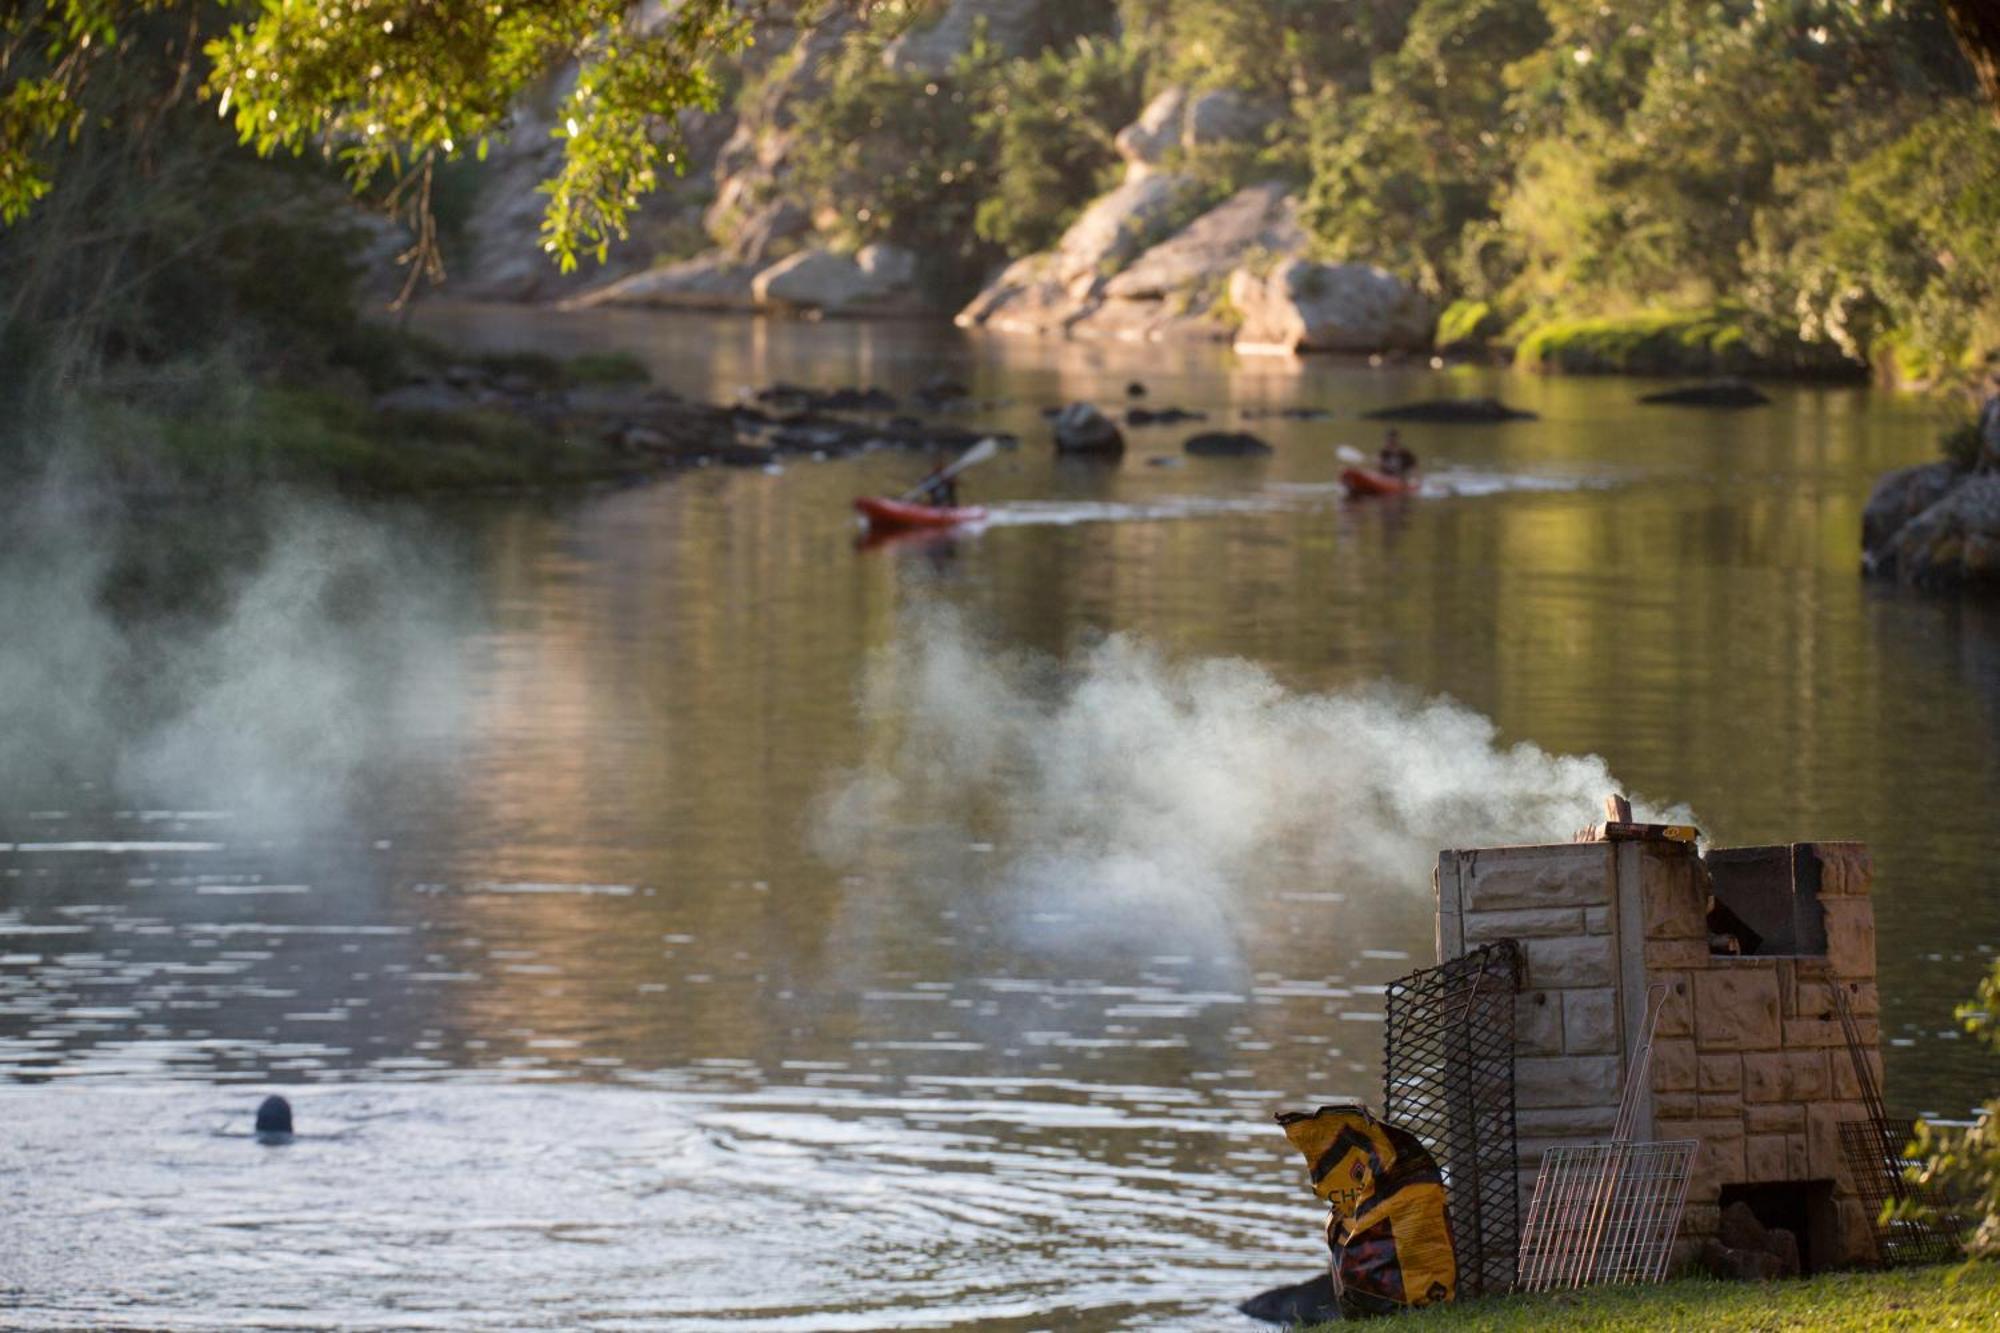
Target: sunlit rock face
{"x":1935,"y":526}
{"x":931,"y":48}
{"x":1302,"y":306}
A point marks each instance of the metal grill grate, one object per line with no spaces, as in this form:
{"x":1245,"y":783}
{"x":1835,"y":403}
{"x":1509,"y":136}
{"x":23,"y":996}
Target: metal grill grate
{"x":1448,"y":1078}
{"x":1874,"y":1152}
{"x":1605,"y":1212}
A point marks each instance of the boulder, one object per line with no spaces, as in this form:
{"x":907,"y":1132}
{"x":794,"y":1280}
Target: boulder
{"x":1225,"y":118}
{"x":1081,"y":429}
{"x":1989,"y":434}
{"x":1900,"y":497}
{"x":1147,"y":142}
{"x":932,"y":48}
{"x":875,"y":278}
{"x":1451,"y":410}
{"x":1303,"y":306}
{"x":1225,"y":444}
{"x":1714,"y":393}
{"x":1174,"y":289}
{"x":707,"y":282}
{"x":1051,"y":291}
{"x":1954,"y":542}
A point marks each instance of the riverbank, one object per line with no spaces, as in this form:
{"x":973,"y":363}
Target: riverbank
{"x":1912,"y":1298}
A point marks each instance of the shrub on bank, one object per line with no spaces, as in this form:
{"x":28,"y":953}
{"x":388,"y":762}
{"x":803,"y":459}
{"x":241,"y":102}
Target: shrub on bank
{"x":1715,"y":341}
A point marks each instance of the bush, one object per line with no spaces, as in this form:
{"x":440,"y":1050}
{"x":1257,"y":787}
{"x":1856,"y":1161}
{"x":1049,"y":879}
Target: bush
{"x":1715,"y":341}
{"x":1965,"y":1164}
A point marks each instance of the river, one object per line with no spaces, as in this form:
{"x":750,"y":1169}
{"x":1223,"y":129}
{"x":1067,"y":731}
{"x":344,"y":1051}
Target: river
{"x":664,"y":913}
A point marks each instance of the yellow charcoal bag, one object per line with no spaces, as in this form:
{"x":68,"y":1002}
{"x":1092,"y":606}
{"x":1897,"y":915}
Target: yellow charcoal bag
{"x":1387,"y":1228}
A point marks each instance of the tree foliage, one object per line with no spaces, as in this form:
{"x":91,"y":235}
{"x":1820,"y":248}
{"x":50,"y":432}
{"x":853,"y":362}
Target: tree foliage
{"x":1965,"y":1164}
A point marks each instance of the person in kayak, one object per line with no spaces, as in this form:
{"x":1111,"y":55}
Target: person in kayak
{"x":940,"y":488}
{"x":1395,"y":460}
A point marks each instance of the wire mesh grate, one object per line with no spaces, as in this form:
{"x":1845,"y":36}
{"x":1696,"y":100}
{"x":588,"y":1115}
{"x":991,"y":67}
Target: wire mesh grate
{"x":1874,"y":1153}
{"x":1605,"y":1212}
{"x":1448,"y":1078}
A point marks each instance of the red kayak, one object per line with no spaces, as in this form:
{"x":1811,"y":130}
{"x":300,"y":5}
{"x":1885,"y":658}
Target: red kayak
{"x":1364,"y":481}
{"x":884,"y":515}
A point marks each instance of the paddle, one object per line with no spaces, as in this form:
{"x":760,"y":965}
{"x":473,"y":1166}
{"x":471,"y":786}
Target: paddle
{"x":978,"y":453}
{"x":1347,"y":453}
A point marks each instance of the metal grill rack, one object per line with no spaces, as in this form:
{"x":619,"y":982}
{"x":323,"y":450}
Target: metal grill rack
{"x":1608,"y":1212}
{"x":1605,"y":1212}
{"x":1448,"y":1078}
{"x":1874,"y":1151}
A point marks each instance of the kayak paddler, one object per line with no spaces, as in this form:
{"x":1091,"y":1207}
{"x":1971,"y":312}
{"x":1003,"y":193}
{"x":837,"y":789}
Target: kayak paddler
{"x":1395,"y":460}
{"x":940,"y":488}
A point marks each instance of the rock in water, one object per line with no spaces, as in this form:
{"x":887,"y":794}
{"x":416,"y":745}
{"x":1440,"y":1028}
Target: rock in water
{"x":877,"y":277}
{"x":1954,"y":542}
{"x":1303,"y":306}
{"x":1451,"y":410}
{"x":1226,"y":444}
{"x":1310,"y":1302}
{"x":1713,"y":393}
{"x":1082,"y":429}
{"x":274,"y":1119}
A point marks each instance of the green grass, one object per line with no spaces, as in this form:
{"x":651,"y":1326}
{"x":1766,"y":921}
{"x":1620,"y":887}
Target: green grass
{"x":1719,"y":340}
{"x":1909,"y":1298}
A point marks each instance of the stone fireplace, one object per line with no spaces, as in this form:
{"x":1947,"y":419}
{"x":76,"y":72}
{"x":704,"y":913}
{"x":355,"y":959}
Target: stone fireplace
{"x":1749,"y":1057}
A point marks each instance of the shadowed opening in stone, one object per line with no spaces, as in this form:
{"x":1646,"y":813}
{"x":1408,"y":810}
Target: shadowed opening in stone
{"x":1791,"y":1220}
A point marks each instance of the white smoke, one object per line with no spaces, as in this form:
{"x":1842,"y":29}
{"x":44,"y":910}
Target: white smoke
{"x":1127,"y":781}
{"x":322,"y":640}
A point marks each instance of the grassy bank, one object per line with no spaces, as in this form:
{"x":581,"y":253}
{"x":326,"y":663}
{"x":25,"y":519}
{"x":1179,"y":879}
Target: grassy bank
{"x":1910,"y":1298}
{"x":1713,"y":341}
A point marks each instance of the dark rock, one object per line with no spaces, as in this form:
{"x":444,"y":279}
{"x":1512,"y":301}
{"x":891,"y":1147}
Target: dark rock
{"x":1287,"y":413}
{"x":1135,"y":390}
{"x":1955,"y":542}
{"x":1165,"y":460}
{"x":795,"y":397}
{"x":1309,"y":1302}
{"x":1899,"y":497}
{"x":274,"y":1118}
{"x":1226,"y":444}
{"x":1164,"y":416}
{"x":1080,"y":428}
{"x":1714,"y":393}
{"x":941,"y":389}
{"x":1451,"y":410}
{"x":1728,"y":1262}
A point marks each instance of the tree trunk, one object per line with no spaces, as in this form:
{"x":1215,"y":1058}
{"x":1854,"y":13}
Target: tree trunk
{"x":1976,"y":23}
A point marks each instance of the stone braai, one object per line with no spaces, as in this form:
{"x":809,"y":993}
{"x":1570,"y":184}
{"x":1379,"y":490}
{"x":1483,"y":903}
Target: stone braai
{"x":1749,"y":1057}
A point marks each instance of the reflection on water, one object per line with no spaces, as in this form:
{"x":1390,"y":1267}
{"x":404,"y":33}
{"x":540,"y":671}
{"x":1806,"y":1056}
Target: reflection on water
{"x":595,"y":1023}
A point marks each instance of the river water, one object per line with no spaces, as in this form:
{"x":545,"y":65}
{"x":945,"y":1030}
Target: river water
{"x":663,"y":913}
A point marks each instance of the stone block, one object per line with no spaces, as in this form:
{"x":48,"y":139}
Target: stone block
{"x":1845,"y":869}
{"x":1559,"y":875}
{"x":1846,"y":1085}
{"x":1676,"y":904}
{"x":1719,"y":1161}
{"x":1719,"y":1073}
{"x":1736,"y":1006}
{"x":1676,"y":953}
{"x":1774,"y":1117}
{"x":1853,"y":1233}
{"x":1813,"y":1034}
{"x":1701,"y":1219}
{"x":1590,"y":1021}
{"x":1712,"y":1105}
{"x":1523,"y":923}
{"x":1597,"y":920}
{"x":1796,"y":1158}
{"x":1591,"y":1123}
{"x":1566,"y":1080}
{"x":1785,"y":1076}
{"x":1824,"y":1159}
{"x":1677,"y":1006}
{"x":1538,"y":1023}
{"x":1850,"y":937}
{"x":1676,"y":1106}
{"x":1579,"y":961}
{"x":1765,"y":1158}
{"x":1674,"y":1066}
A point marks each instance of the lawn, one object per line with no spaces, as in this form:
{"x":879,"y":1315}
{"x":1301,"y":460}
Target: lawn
{"x":1909,"y":1298}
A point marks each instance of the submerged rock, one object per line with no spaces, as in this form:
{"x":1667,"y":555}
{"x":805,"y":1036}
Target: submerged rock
{"x":1714,"y":393}
{"x":713,"y":281}
{"x":1225,"y":444}
{"x":1161,"y":416}
{"x":1081,"y":429}
{"x":1303,"y":306}
{"x":1451,"y":410}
